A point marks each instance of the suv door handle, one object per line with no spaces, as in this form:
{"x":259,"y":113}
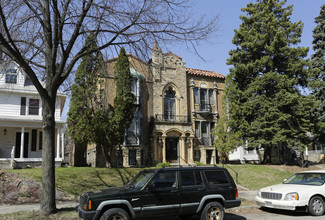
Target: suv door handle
{"x":174,"y":190}
{"x":201,"y":189}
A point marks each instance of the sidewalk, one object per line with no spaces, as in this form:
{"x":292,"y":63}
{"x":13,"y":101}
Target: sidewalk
{"x":33,"y":207}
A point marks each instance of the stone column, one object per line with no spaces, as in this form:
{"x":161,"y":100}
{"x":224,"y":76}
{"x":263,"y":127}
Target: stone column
{"x":22,"y":141}
{"x":182,"y":150}
{"x":164,"y":149}
{"x":190,"y":151}
{"x":214,"y":156}
{"x":203,"y":155}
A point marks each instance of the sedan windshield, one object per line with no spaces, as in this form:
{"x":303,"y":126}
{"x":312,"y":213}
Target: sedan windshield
{"x":142,"y":178}
{"x":315,"y":179}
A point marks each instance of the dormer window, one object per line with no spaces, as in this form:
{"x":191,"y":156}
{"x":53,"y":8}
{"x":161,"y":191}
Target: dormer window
{"x":11,"y":76}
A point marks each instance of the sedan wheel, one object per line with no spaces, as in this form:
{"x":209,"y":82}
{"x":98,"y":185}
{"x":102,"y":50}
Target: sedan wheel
{"x":316,"y":206}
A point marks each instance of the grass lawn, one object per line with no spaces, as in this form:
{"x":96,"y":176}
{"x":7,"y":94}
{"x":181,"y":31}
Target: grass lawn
{"x":76,"y":180}
{"x":254,"y":177}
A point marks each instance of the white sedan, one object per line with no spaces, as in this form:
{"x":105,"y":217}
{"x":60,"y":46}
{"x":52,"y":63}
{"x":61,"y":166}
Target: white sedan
{"x":304,"y":191}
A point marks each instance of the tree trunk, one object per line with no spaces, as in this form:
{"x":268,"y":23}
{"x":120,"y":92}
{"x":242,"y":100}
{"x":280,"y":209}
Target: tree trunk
{"x":267,"y":155}
{"x":107,"y":152}
{"x":47,"y":205}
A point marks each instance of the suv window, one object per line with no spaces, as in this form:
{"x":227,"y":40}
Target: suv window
{"x":191,"y":178}
{"x":165,"y":179}
{"x":216,"y":177}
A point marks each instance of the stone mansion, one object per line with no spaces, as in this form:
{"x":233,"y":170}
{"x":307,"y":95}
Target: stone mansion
{"x":176,"y":109}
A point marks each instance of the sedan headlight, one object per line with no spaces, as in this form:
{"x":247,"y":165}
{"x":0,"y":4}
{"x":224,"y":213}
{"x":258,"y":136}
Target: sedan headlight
{"x":292,"y":196}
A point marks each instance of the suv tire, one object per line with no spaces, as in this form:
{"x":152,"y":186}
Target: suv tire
{"x":316,"y":206}
{"x":213,"y":211}
{"x":116,"y":214}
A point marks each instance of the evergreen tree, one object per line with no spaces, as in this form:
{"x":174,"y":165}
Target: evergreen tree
{"x":111,"y":123}
{"x":83,"y":96}
{"x":263,"y":89}
{"x":225,"y":138}
{"x":318,"y":62}
{"x":124,"y":100}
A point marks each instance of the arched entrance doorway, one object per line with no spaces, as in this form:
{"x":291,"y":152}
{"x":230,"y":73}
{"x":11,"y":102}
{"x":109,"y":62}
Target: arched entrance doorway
{"x":172,"y":149}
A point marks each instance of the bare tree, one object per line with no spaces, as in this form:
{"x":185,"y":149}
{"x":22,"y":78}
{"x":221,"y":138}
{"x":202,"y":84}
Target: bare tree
{"x":45,"y":37}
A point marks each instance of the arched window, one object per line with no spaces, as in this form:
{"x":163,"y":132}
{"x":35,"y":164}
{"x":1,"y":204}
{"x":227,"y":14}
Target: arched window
{"x":169,"y":105}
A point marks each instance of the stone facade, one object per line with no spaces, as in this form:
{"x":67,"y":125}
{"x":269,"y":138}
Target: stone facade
{"x":177,"y":107}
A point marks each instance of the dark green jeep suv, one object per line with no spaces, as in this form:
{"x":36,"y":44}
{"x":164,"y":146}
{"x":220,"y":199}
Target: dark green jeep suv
{"x":167,"y":191}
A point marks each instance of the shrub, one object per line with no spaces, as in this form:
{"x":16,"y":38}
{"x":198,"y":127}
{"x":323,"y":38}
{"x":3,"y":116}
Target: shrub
{"x":167,"y":164}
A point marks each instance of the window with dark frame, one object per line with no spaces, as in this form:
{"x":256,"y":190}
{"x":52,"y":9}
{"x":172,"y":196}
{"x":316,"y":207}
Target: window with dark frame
{"x":196,"y":95}
{"x":23,"y":106}
{"x":11,"y":78}
{"x":132,"y":157}
{"x":211,"y":97}
{"x":33,"y":108}
{"x":34,"y":140}
{"x":170,"y":105}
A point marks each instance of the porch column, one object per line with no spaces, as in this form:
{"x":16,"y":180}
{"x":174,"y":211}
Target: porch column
{"x":58,"y":143}
{"x":164,"y":148}
{"x":214,"y":156}
{"x":22,"y":141}
{"x":203,"y":158}
{"x":62,"y":146}
{"x":190,"y":151}
{"x":182,"y":150}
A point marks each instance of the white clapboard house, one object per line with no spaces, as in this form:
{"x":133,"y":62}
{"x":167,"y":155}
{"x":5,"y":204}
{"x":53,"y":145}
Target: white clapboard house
{"x":21,"y":119}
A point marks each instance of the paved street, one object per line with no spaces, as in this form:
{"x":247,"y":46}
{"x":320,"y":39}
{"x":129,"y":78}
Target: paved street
{"x":243,"y":212}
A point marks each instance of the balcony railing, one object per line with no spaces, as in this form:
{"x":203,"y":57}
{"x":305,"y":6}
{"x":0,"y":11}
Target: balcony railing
{"x":208,"y":141}
{"x":205,"y":107}
{"x":171,"y":118}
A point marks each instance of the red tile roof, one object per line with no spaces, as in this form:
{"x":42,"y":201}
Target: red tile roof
{"x":198,"y":72}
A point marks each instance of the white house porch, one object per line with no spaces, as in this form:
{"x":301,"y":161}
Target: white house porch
{"x":22,"y":146}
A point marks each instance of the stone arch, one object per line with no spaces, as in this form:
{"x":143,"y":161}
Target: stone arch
{"x":174,"y":131}
{"x":173,"y":87}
